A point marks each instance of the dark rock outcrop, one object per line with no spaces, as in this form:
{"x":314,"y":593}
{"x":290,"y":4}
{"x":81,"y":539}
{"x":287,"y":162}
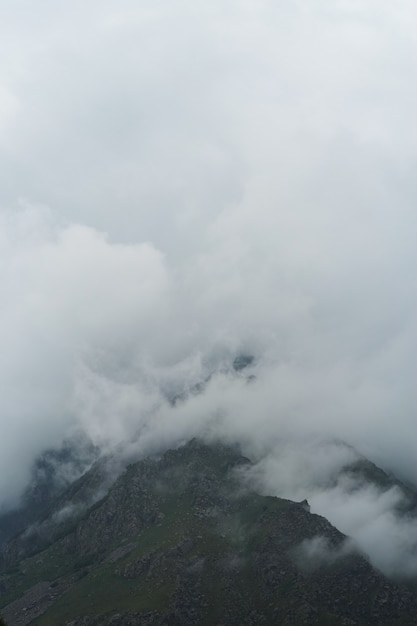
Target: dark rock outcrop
{"x":179,"y":541}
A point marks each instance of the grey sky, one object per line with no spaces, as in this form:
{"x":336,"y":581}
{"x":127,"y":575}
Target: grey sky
{"x":179,"y":182}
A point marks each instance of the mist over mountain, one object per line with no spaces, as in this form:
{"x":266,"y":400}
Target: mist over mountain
{"x":207,"y":224}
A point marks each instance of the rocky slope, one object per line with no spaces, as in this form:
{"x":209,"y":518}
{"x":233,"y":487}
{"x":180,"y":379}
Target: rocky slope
{"x":179,"y":540}
{"x":52,"y":473}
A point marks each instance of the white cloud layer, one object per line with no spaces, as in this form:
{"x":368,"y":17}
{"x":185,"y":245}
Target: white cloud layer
{"x":180,"y":182}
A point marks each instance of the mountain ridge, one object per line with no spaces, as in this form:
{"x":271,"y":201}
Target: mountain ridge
{"x":175,"y":534}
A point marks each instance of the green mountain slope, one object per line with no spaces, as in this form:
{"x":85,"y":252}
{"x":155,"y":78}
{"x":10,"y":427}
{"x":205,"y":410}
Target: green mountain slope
{"x":178,"y":540}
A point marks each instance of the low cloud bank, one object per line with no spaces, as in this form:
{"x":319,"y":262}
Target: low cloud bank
{"x":377,"y":517}
{"x":372,"y":518}
{"x":179,"y":186}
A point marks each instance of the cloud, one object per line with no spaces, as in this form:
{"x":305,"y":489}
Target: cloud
{"x":372,"y":518}
{"x":314,"y":553}
{"x":181,"y":183}
{"x":372,"y":515}
{"x":67,"y":295}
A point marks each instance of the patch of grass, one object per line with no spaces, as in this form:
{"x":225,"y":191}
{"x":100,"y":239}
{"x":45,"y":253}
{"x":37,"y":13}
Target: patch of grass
{"x":48,"y":566}
{"x":328,"y":619}
{"x":102,"y":591}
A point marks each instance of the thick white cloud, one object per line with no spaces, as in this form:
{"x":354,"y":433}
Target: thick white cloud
{"x":67,"y":295}
{"x":179,"y":182}
{"x":173,"y":113}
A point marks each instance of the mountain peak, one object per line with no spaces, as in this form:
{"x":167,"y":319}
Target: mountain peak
{"x":181,"y":540}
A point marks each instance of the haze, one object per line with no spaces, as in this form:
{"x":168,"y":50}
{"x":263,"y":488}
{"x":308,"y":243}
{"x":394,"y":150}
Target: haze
{"x":181,"y":183}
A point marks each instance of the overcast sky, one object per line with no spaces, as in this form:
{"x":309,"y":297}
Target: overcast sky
{"x":181,"y":181}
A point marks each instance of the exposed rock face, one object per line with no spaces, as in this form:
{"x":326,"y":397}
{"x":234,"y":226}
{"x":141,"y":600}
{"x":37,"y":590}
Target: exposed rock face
{"x":242,"y":361}
{"x":179,"y":541}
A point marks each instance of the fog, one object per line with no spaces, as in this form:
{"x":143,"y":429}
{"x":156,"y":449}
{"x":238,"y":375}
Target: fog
{"x":370,"y":513}
{"x":180,"y":184}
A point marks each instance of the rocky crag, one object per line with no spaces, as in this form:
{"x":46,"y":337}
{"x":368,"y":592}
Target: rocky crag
{"x":179,"y":540}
